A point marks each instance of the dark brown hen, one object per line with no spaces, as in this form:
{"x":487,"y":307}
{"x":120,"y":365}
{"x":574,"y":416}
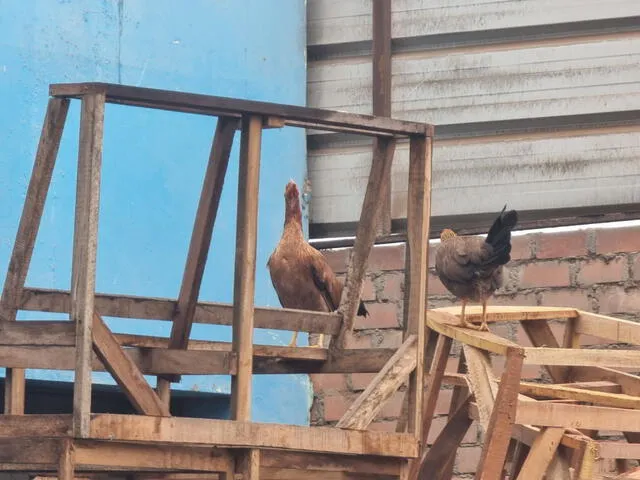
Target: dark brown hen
{"x":300,"y":274}
{"x":471,"y":267}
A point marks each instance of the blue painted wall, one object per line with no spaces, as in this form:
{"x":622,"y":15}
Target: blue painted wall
{"x":154,"y":161}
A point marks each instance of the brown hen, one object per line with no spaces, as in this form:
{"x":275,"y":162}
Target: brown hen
{"x":300,"y":274}
{"x":471,"y":267}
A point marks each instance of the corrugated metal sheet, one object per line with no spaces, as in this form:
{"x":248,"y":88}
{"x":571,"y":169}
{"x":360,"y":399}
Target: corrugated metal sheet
{"x":488,"y":74}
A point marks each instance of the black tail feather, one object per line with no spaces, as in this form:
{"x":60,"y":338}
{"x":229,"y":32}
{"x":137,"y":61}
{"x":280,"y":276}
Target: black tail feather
{"x":499,"y":237}
{"x":362,"y":310}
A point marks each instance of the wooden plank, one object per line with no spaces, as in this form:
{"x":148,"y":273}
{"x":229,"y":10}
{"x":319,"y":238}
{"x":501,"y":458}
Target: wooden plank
{"x":381,"y":93}
{"x":26,"y":236}
{"x":618,"y":400}
{"x":541,"y":335}
{"x":630,"y":383}
{"x":210,"y":105}
{"x":518,"y":457}
{"x":305,"y":462}
{"x":66,"y":466}
{"x":583,"y":417}
{"x":125,"y":372}
{"x":145,"y":308}
{"x":416,"y":266}
{"x":483,"y":340}
{"x":482,"y":382}
{"x":582,"y":357}
{"x":39,"y":426}
{"x":194,"y":362}
{"x":614,"y":329}
{"x":365,"y":237}
{"x":498,"y":313}
{"x":598,"y":386}
{"x":30,"y":450}
{"x":37,"y":333}
{"x":365,"y":408}
{"x":190,"y":431}
{"x":434,"y":462}
{"x":202,"y":232}
{"x":85,"y":240}
{"x":541,"y":454}
{"x":502,"y":419}
{"x":245,"y":266}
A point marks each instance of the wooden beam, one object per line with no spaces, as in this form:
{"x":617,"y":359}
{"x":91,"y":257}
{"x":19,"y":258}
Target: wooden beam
{"x":145,"y":308}
{"x":125,"y":372}
{"x":85,"y":242}
{"x":20,"y":260}
{"x":416,"y":266}
{"x":505,"y":313}
{"x":39,"y":426}
{"x":66,"y":466}
{"x":193,"y":431}
{"x":211,"y":105}
{"x":365,"y":408}
{"x":201,"y":236}
{"x":583,"y":416}
{"x":245,"y":266}
{"x":305,"y":462}
{"x":502,"y":419}
{"x":248,"y":464}
{"x":542,"y":451}
{"x":582,"y":357}
{"x":365,"y":236}
{"x":541,"y":335}
{"x":381,"y":93}
{"x":434,"y":462}
{"x":615,"y":329}
{"x":32,"y":450}
{"x":606,"y":399}
{"x":482,"y":382}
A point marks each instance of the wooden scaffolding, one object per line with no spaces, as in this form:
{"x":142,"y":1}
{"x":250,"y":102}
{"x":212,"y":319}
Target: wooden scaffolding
{"x":152,"y":441}
{"x":535,"y":430}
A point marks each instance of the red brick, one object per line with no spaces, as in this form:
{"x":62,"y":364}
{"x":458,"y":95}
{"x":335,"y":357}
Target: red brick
{"x":520,"y":299}
{"x":502,"y":329}
{"x":360,"y":381}
{"x":617,"y":240}
{"x":386,"y":257}
{"x":444,"y":402}
{"x":468,"y":459}
{"x":561,"y":245}
{"x":442,"y":302}
{"x":529,"y":372}
{"x":600,"y":271}
{"x":381,"y":315}
{"x":435,"y":286}
{"x":368,"y":290}
{"x":392,"y":407}
{"x":335,"y":406}
{"x":567,"y":298}
{"x":521,"y":247}
{"x":358,"y":341}
{"x":324,"y":382}
{"x":635,"y":267}
{"x":545,"y":274}
{"x":437,"y":424}
{"x":523,"y":339}
{"x":337,"y":259}
{"x":388,"y":426}
{"x":390,"y":339}
{"x":392,"y":288}
{"x":617,"y":300}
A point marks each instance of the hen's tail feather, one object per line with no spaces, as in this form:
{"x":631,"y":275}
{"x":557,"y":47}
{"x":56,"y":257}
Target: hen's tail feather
{"x":362,"y":310}
{"x":499,"y":237}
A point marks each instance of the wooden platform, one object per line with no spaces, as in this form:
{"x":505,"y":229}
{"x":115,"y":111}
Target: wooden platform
{"x":536,"y":430}
{"x":154,"y":442}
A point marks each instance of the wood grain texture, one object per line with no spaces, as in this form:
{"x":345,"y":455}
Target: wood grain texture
{"x":85,"y":240}
{"x":245,"y":266}
{"x":125,"y":372}
{"x":67,"y":463}
{"x":28,"y":227}
{"x":365,"y":408}
{"x":365,"y":236}
{"x":542,"y":451}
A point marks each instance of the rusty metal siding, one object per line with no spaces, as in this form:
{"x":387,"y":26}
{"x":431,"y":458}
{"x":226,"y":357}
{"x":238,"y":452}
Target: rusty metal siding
{"x":536,"y":102}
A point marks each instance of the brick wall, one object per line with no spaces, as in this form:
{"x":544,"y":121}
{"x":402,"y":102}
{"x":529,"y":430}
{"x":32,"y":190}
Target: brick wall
{"x":593,"y":270}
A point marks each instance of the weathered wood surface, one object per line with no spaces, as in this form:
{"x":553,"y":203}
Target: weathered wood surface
{"x":210,"y":105}
{"x":85,"y":245}
{"x":26,"y":236}
{"x":145,"y":308}
{"x":365,"y":408}
{"x":542,"y":451}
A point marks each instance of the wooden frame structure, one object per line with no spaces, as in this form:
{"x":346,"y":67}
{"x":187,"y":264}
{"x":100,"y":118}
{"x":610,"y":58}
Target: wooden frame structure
{"x":535,"y":430}
{"x":154,"y":441}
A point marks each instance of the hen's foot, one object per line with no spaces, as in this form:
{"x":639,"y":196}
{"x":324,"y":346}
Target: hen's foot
{"x":469,"y":325}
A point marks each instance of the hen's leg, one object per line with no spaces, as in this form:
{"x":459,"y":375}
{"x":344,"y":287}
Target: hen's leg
{"x":320,"y":343}
{"x":483,"y":325}
{"x":463,"y":318}
{"x":294,"y":340}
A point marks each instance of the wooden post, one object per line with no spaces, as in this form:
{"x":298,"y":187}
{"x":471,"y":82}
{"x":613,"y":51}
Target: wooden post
{"x":542,"y":451}
{"x":85,"y":236}
{"x":66,"y":465}
{"x":25,"y":238}
{"x":502,"y":419}
{"x":381,"y":90}
{"x":248,"y":464}
{"x":200,"y":241}
{"x":417,"y":260}
{"x":245,"y":266}
{"x":365,"y":236}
